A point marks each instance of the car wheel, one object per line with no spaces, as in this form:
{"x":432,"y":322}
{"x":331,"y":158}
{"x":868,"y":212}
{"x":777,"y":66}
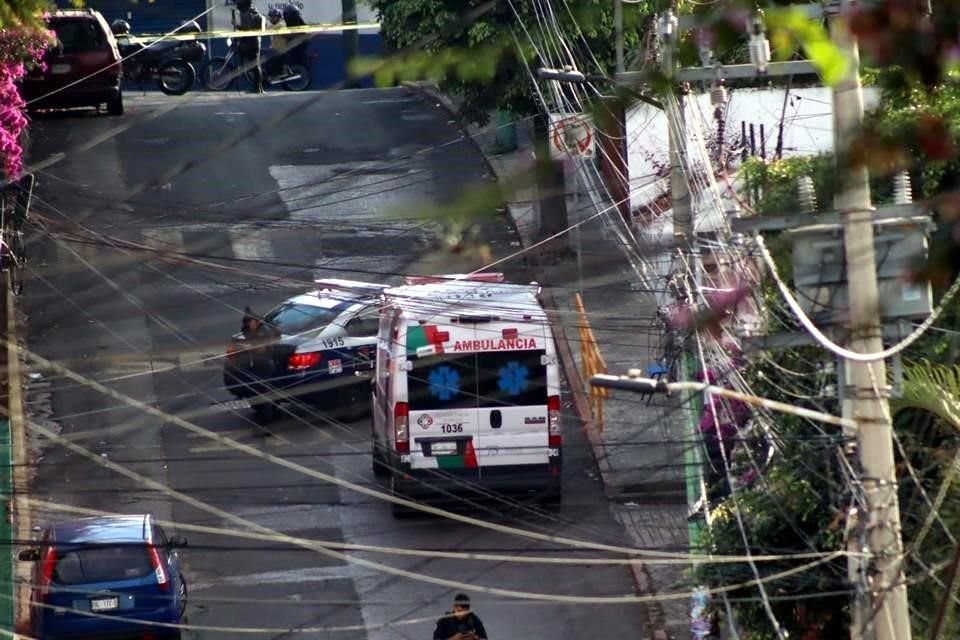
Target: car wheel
{"x":348,"y":402}
{"x":182,"y":594}
{"x":115,"y":105}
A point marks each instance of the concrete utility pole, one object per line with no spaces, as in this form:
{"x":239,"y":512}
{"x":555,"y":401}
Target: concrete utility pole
{"x":351,"y":38}
{"x":884,"y":608}
{"x":618,"y":33}
{"x":668,"y":26}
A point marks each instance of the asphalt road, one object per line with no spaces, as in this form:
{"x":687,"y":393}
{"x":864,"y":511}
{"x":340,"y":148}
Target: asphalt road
{"x":140,"y":294}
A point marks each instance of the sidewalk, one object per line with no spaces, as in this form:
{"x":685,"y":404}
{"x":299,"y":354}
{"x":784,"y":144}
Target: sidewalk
{"x":639,"y":452}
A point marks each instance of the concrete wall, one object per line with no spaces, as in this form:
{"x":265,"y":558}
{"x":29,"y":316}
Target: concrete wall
{"x":808,"y":127}
{"x":314,"y":11}
{"x":325,"y":50}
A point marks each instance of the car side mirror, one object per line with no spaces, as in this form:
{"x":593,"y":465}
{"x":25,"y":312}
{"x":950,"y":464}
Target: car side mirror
{"x":178,"y":542}
{"x":29,"y":555}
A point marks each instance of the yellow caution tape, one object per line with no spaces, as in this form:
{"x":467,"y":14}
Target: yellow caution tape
{"x":281,"y":31}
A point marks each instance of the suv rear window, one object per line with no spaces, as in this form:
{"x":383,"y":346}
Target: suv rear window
{"x":80,"y":36}
{"x":511,"y":379}
{"x":102,"y":564}
{"x":484,"y":379}
{"x":292,"y":318}
{"x":442,"y":382}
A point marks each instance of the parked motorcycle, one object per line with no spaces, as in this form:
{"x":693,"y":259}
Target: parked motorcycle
{"x":222,"y":73}
{"x":166,"y":61}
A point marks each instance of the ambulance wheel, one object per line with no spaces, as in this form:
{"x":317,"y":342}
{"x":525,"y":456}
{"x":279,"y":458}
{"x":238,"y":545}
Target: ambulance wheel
{"x":400,"y":512}
{"x":552,"y":499}
{"x":381,"y":467}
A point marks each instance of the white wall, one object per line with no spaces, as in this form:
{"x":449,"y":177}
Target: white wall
{"x":808,"y":127}
{"x":314,"y":11}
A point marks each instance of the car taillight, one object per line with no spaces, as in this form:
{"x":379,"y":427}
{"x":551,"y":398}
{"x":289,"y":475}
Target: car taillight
{"x":401,"y":426}
{"x":553,"y":421}
{"x":301,"y":361}
{"x":158,"y":568}
{"x":46,"y":571}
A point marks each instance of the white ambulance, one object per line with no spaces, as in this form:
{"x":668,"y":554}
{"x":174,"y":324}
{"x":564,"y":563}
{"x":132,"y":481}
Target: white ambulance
{"x":466,"y":394}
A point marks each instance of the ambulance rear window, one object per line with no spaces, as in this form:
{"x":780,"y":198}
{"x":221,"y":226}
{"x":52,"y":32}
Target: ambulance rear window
{"x":444,"y":381}
{"x":484,"y":379}
{"x":511,"y":378}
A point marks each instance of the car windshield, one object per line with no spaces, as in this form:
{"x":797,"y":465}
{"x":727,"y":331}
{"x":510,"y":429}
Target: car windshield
{"x":102,"y":564}
{"x":79,"y":36}
{"x":291,"y":318}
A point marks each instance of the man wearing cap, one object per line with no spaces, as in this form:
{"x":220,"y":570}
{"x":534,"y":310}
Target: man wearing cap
{"x":461,"y":623}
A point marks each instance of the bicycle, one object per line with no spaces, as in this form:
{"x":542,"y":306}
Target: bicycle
{"x":221,"y":73}
{"x":13,"y":257}
{"x":15,"y":201}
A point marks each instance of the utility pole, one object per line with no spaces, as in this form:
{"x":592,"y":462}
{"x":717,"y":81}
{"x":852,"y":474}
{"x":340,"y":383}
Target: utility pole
{"x":668,"y":27}
{"x":618,"y":33}
{"x":351,"y":38}
{"x":679,"y":190}
{"x":884,"y":608}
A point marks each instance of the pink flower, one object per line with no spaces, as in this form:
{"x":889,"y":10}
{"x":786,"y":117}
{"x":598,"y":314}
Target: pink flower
{"x":18,"y":48}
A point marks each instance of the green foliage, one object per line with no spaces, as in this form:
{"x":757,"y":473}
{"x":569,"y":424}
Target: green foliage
{"x":918,"y":130}
{"x":795,"y":506}
{"x":796,"y":488}
{"x":789,"y":27}
{"x":479,"y":60}
{"x":23,"y":13}
{"x":772,"y":185}
{"x":927,"y":418}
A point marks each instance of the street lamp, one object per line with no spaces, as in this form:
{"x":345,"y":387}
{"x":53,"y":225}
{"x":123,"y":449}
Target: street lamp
{"x":634,"y":382}
{"x":567,"y":74}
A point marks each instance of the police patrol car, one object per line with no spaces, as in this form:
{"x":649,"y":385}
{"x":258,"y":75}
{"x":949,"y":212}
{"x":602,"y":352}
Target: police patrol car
{"x":327,"y":337}
{"x":467,"y":389}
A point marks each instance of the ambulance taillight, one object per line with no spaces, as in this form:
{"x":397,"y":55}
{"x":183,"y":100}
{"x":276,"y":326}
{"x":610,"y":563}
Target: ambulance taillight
{"x":401,"y":427}
{"x":553,"y":422}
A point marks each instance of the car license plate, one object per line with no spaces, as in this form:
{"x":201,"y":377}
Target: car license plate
{"x":104,"y":604}
{"x":59,"y":69}
{"x":443,"y":448}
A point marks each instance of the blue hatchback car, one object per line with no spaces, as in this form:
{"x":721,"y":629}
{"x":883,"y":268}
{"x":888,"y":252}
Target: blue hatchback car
{"x":106,"y":577}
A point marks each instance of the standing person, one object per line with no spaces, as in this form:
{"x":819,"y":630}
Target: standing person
{"x":249,"y":48}
{"x":297,"y":54}
{"x":461,"y":623}
{"x":278,"y":45}
{"x":260,"y":340}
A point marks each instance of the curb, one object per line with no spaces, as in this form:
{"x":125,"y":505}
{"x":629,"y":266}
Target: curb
{"x":20,"y":512}
{"x":653,"y":613}
{"x":579,"y":393}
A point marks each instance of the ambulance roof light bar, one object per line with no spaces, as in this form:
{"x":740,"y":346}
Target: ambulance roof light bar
{"x":485,"y":276}
{"x":349,"y":285}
